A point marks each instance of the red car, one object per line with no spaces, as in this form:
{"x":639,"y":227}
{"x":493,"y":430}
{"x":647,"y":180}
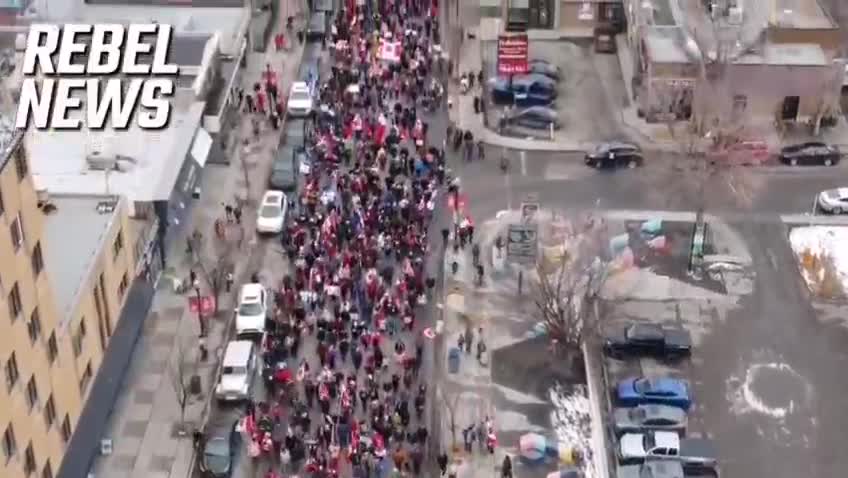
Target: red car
{"x":742,"y":153}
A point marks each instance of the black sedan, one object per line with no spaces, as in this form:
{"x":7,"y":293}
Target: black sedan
{"x":219,"y":453}
{"x":614,"y":154}
{"x":648,"y":339}
{"x":811,"y":153}
{"x":535,"y":117}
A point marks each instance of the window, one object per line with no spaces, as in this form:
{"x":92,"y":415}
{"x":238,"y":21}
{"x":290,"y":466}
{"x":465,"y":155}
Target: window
{"x":16,"y":230}
{"x":66,"y":428}
{"x":118,"y":245}
{"x":15,"y":304}
{"x":52,"y":348}
{"x":37,"y":259}
{"x":34,"y":325}
{"x":21,"y":166}
{"x":12,"y":374}
{"x":82,"y":330}
{"x":50,"y":412}
{"x":32,"y":392}
{"x":10,"y":445}
{"x":29,"y":460}
{"x":47,"y":471}
{"x":78,"y":338}
{"x":2,"y":205}
{"x":86,"y":377}
{"x":122,"y":287}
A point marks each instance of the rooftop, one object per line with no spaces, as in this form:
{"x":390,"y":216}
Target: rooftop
{"x":73,"y":238}
{"x":194,"y":17}
{"x":669,"y":45}
{"x":790,"y":54}
{"x":801,"y":15}
{"x":148,"y":161}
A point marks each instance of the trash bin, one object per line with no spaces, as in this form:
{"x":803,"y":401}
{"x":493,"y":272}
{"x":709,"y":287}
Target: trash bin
{"x":453,"y":360}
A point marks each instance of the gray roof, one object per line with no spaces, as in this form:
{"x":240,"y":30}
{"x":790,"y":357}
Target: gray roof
{"x":173,"y":3}
{"x":73,"y":238}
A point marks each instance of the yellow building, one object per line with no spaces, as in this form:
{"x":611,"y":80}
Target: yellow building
{"x":64,"y":277}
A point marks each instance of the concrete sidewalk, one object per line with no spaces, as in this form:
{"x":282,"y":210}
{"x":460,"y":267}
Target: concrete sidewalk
{"x":145,"y":422}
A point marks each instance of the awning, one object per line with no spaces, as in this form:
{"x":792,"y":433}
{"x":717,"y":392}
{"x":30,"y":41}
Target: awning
{"x":202,"y":145}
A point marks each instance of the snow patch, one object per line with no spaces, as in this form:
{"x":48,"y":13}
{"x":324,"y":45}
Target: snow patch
{"x":642,"y":284}
{"x":745,"y":398}
{"x":818,"y":247}
{"x":572,"y":423}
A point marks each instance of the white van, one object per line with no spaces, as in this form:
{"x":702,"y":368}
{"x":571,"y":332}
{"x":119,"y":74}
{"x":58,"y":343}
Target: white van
{"x":237,"y":371}
{"x":252,"y":310}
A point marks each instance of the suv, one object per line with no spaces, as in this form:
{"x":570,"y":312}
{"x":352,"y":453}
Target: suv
{"x":252,"y":310}
{"x":237,"y":369}
{"x":614,"y":154}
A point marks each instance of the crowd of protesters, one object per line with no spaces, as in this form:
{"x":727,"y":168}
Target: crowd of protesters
{"x":343,"y":352}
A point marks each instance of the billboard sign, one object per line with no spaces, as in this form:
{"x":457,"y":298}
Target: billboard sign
{"x":512,"y":54}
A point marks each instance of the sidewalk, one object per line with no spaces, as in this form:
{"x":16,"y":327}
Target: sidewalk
{"x":145,"y":421}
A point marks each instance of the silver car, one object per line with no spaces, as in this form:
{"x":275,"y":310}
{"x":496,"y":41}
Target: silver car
{"x":834,"y":201}
{"x":649,"y":417}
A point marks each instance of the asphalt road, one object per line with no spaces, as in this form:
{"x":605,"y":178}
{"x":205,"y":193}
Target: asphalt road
{"x":775,"y":329}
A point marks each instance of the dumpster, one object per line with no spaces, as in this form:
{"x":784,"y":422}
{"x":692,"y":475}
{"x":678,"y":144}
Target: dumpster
{"x":453,"y":360}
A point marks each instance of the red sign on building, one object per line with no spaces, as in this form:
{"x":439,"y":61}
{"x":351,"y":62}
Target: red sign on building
{"x":207,"y":304}
{"x":512,"y":54}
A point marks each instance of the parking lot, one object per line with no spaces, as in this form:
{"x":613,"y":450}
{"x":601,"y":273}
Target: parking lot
{"x":588,"y":92}
{"x":766,"y":373}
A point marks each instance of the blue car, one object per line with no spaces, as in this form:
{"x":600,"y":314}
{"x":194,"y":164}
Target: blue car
{"x":636,"y":391}
{"x":524,"y":90}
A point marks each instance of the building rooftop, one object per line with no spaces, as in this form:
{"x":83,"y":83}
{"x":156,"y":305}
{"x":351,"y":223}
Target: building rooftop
{"x":73,"y":238}
{"x":148,"y":166}
{"x":790,"y":54}
{"x":669,"y":45}
{"x":194,"y":17}
{"x":801,"y":15}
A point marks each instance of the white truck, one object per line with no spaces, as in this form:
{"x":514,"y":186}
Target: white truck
{"x":692,"y":453}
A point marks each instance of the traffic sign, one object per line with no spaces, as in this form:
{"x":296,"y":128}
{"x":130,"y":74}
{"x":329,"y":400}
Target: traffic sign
{"x":522,"y":244}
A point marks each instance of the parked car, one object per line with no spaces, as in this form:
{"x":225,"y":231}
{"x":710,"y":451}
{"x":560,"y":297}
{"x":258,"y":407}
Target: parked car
{"x":652,"y":469}
{"x":834,"y":201}
{"x":219,"y":453}
{"x":237,"y":369}
{"x":300,"y":100}
{"x":614,"y":154}
{"x":692,"y":453}
{"x":524,"y":90}
{"x":810,"y":153}
{"x":649,"y":417}
{"x":272,"y":212}
{"x":284,"y":169}
{"x":316,"y":29}
{"x":648,"y":339}
{"x":635,"y":391}
{"x":535,"y":117}
{"x":544,"y":67}
{"x":252,"y":310}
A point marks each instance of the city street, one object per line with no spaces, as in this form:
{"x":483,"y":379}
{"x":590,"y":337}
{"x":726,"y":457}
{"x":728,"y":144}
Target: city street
{"x":766,"y":371}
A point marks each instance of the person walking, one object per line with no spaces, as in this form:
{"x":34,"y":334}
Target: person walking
{"x":506,"y":467}
{"x":442,"y":460}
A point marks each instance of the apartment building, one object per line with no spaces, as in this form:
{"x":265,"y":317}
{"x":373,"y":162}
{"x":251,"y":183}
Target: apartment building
{"x":64,"y":280}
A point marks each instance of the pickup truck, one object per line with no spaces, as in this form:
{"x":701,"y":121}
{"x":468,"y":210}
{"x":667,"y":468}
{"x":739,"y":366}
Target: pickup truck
{"x":648,"y":339}
{"x":692,"y":453}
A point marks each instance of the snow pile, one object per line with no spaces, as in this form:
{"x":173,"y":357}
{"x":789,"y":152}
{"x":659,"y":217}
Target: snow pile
{"x":571,"y":422}
{"x":823,"y":258}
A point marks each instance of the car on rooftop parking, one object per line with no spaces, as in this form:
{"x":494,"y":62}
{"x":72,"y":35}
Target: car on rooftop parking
{"x":647,"y":339}
{"x":648,"y":417}
{"x":634,"y":391}
{"x":544,"y":67}
{"x":652,"y":469}
{"x":534,"y":117}
{"x":524,"y":90}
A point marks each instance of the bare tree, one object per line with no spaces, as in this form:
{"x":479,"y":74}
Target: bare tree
{"x":213,"y":259}
{"x":450,"y":402}
{"x":181,"y":374}
{"x":566,"y":291}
